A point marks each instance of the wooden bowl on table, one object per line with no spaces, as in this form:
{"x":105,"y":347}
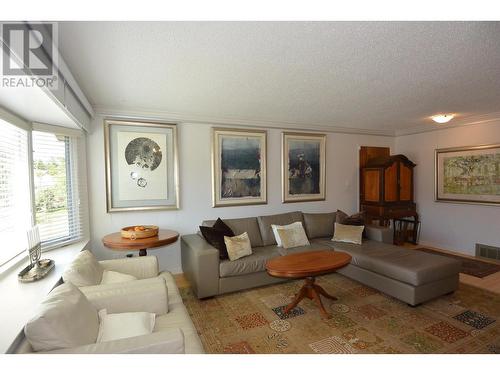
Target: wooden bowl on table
{"x":139,"y":231}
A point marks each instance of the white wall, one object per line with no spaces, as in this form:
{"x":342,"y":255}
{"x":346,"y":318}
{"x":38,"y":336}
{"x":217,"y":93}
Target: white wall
{"x":450,"y":226}
{"x":195,"y":187}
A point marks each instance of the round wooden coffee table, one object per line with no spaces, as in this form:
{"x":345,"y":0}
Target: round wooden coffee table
{"x":115,"y":241}
{"x":308,"y":265}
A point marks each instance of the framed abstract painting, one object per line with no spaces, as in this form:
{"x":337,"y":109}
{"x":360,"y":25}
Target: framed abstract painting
{"x":238,"y":167}
{"x":303,"y":167}
{"x":141,"y":166}
{"x":468,"y":174}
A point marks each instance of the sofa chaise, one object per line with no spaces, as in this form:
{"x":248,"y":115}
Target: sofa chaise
{"x":410,"y":276}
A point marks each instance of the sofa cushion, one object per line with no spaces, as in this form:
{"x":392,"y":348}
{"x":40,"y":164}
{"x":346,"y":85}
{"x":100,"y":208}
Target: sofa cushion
{"x":324,"y":241}
{"x":250,"y":264}
{"x":281,"y":219}
{"x":84,"y":270}
{"x":301,"y":249}
{"x":239,"y":226}
{"x":113,"y":277}
{"x":64,"y":319}
{"x":409,"y":266}
{"x":319,"y":225}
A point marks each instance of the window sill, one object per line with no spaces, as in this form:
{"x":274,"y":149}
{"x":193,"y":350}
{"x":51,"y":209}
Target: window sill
{"x":22,"y":299}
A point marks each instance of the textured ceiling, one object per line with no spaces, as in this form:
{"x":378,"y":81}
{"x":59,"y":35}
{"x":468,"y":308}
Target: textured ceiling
{"x":368,"y":75}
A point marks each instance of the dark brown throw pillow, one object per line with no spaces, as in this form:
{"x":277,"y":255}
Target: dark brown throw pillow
{"x":357,"y":219}
{"x":215,"y":236}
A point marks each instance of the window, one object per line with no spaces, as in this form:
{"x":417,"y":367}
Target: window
{"x":15,"y":206}
{"x":48,"y":189}
{"x":59,"y":192}
{"x":52,"y":183}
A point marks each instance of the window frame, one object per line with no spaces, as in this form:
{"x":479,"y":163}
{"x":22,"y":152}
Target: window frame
{"x":69,"y":145}
{"x":29,"y":127}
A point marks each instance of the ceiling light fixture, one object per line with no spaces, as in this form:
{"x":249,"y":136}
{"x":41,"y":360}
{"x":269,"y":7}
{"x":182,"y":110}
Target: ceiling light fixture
{"x":441,"y":119}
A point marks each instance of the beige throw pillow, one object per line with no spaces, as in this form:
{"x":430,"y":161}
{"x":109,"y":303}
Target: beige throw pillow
{"x":289,"y":226}
{"x":238,"y":246}
{"x":293,"y":236}
{"x":64,"y":319}
{"x":120,"y":326}
{"x":84,"y":270}
{"x":348,"y":233}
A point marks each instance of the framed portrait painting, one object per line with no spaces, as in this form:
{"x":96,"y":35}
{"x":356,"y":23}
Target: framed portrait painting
{"x":303,"y":167}
{"x":141,"y":166}
{"x":468,"y":174}
{"x":238,"y":167}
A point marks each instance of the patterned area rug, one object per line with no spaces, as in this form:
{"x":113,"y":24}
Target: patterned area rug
{"x":363,"y":321}
{"x":473,"y":267}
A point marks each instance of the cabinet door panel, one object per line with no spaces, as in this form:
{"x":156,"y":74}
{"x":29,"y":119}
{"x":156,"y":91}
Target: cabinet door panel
{"x":405,"y":183}
{"x":391,"y":183}
{"x":371,"y":185}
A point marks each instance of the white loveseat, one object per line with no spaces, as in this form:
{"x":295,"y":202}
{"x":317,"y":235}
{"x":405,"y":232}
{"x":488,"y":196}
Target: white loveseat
{"x":153,"y":292}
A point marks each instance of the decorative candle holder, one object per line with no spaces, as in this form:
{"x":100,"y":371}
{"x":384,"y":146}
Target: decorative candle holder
{"x":38,"y":268}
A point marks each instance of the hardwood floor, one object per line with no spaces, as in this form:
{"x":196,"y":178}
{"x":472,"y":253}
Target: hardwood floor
{"x":181,"y":280}
{"x":491,"y":282}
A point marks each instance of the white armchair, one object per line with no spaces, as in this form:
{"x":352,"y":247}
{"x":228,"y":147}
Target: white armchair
{"x":153,"y":292}
{"x":67,"y":321}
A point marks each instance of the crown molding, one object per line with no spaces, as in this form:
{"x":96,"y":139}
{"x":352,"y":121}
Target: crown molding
{"x":455,"y":123}
{"x":141,"y":113}
{"x":178,"y":117}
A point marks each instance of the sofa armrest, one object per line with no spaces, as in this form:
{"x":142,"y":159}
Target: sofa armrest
{"x":149,"y":295}
{"x":140,"y":267}
{"x":379,"y":233}
{"x":162,"y":342}
{"x":200,"y":264}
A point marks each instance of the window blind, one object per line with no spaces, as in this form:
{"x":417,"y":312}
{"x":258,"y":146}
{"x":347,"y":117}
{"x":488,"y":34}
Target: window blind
{"x":60,"y":187}
{"x":15,"y":202}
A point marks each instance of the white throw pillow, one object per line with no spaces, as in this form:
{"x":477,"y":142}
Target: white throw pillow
{"x":84,"y":270}
{"x":64,"y":319}
{"x":348,"y":233}
{"x":293,"y":235}
{"x":275,"y":228}
{"x":113,"y":277}
{"x":238,"y":246}
{"x":120,"y":326}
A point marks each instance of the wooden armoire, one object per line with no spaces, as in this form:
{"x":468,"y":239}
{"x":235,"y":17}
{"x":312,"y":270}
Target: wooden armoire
{"x":386,"y":188}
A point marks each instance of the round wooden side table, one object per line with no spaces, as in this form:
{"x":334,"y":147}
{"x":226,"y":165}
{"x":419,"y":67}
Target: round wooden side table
{"x":115,"y":241}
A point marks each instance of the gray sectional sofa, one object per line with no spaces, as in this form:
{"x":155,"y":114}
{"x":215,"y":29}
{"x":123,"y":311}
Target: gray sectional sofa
{"x":410,"y":276}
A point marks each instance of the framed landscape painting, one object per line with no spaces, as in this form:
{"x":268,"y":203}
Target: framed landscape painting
{"x":303,"y":167}
{"x":141,"y":166}
{"x":238,"y":167}
{"x":468,"y":174}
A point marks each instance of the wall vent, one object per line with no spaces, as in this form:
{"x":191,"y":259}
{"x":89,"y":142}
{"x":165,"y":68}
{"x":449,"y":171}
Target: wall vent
{"x":487,"y":251}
